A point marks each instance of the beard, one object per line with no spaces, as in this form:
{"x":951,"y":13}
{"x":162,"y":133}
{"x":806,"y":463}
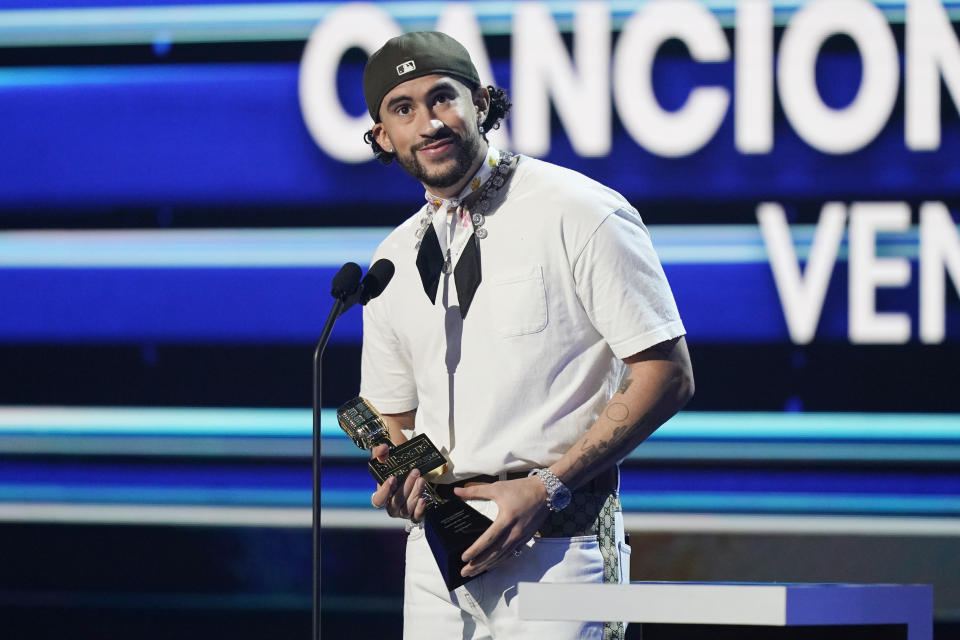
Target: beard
{"x":467,"y":149}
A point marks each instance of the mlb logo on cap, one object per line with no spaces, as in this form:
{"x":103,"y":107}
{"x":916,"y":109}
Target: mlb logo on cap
{"x":406,"y":67}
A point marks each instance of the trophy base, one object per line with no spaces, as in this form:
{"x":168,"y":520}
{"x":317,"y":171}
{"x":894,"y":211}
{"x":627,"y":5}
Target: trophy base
{"x":451,"y":527}
{"x":416,"y":453}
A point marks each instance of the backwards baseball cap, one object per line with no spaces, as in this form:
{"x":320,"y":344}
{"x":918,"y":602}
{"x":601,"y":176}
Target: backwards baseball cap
{"x":410,"y":56}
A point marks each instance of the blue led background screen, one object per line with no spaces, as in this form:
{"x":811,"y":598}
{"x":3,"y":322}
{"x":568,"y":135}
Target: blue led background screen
{"x":179,"y":182}
{"x":141,"y":129}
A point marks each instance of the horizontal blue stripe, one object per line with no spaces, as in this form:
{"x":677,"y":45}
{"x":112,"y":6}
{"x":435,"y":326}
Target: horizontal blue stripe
{"x":132,"y":422}
{"x":718,"y":303}
{"x":337,"y":449}
{"x":172,"y":476}
{"x":717,"y":502}
{"x":813,"y":503}
{"x":179,"y":305}
{"x":639,"y":481}
{"x":351,"y":489}
{"x":252,"y":477}
{"x":425,"y":8}
{"x":881,"y":492}
{"x":261,"y":248}
{"x":171,"y":138}
{"x":825,"y":483}
{"x":689,"y":426}
{"x":115,"y":21}
{"x":269,"y":285}
{"x":97,"y":4}
{"x":271,"y":7}
{"x":140,"y":495}
{"x":331,"y":247}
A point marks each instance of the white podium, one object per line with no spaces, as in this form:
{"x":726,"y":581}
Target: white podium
{"x":734,"y":603}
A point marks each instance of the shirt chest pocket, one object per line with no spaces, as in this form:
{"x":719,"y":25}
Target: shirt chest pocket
{"x":519,"y":301}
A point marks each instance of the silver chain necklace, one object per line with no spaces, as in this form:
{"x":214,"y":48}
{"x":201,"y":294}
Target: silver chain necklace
{"x":487,"y":192}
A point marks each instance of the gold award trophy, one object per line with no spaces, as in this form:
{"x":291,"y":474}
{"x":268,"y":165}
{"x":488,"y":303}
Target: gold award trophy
{"x":451,"y":525}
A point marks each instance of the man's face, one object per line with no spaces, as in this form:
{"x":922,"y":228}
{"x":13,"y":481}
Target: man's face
{"x":430,"y":123}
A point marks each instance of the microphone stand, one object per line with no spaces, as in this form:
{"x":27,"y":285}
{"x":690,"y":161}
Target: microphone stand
{"x":335,"y":312}
{"x":347,"y":289}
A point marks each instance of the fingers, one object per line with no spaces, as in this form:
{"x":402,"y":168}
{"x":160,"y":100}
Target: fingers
{"x":384,"y":492}
{"x":415,"y":497}
{"x":419,"y":510}
{"x":380,"y":452}
{"x":399,"y":504}
{"x":476,"y":492}
{"x":405,"y":502}
{"x":488,"y":544}
{"x":489,"y":556}
{"x":401,"y":500}
{"x":520,"y":513}
{"x":484,"y":542}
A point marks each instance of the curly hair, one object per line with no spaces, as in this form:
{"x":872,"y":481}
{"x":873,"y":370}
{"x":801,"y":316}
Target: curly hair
{"x":499,"y":109}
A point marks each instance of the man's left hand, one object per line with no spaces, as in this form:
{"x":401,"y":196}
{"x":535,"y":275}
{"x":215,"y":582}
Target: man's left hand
{"x":523,"y":508}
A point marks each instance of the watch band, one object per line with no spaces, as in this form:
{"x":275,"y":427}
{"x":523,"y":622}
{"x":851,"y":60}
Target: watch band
{"x":558,"y":494}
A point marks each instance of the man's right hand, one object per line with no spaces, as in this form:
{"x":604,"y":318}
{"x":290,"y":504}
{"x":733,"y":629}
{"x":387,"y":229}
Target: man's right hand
{"x":400,"y":500}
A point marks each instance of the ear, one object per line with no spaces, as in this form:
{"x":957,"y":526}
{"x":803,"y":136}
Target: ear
{"x":380,"y":135}
{"x":481,"y":100}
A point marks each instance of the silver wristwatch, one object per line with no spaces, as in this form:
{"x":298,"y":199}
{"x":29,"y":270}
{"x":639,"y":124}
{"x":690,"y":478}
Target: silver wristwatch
{"x":558,"y":494}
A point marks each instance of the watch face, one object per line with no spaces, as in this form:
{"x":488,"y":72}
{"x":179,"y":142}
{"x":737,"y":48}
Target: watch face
{"x":560,"y":499}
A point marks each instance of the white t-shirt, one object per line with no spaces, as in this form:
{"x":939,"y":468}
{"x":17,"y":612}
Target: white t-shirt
{"x":570,"y":286}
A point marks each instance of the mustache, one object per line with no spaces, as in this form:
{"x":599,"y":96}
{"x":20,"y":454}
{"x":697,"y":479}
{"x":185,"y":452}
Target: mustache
{"x":441,"y":134}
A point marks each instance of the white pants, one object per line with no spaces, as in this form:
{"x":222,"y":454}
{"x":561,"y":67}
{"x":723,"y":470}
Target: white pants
{"x":486,"y":607}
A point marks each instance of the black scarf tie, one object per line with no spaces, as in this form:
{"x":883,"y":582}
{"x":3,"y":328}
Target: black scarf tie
{"x":466,"y":274}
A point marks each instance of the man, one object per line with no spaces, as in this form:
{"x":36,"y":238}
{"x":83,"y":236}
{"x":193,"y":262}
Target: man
{"x":555,"y":354}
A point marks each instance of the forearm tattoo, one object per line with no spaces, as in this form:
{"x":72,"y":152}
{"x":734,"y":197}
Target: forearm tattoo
{"x":591,"y":452}
{"x":617,"y":411}
{"x":628,"y":426}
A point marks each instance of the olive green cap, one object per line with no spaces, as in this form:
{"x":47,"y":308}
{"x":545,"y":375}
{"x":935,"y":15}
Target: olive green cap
{"x":410,"y":56}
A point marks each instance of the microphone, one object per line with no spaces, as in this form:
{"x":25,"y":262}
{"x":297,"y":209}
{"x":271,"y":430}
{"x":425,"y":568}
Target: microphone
{"x":346,"y":282}
{"x":372,"y":285}
{"x":376,"y":280}
{"x":345,"y":289}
